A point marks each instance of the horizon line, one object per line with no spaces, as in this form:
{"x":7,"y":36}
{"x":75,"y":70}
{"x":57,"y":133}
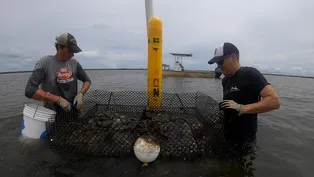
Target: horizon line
{"x":272,"y":74}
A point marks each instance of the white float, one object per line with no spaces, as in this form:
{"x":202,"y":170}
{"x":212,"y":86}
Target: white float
{"x":146,"y":149}
{"x":34,"y":121}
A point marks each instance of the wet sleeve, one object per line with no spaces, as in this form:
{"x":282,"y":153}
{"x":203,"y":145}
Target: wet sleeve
{"x":35,"y":79}
{"x":258,"y":81}
{"x":81,"y":74}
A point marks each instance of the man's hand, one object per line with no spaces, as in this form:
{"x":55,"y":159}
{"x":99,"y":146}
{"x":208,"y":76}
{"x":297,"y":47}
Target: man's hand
{"x":230,"y":104}
{"x":64,"y":104}
{"x":78,"y":101}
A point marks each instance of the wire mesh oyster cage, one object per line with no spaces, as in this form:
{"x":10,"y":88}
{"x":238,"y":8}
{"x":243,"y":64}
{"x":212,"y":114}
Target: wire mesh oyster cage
{"x":185,"y":124}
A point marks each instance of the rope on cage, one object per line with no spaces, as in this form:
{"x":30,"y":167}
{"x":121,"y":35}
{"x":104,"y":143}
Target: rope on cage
{"x":182,"y":106}
{"x":111,"y":95}
{"x":145,"y":115}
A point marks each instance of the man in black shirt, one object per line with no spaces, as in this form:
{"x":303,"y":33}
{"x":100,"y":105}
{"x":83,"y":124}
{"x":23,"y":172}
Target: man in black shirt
{"x":243,"y":88}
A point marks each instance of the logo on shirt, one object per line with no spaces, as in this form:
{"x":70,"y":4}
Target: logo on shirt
{"x":233,"y":89}
{"x":64,"y":75}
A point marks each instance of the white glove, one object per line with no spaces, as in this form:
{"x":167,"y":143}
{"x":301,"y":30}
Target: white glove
{"x":78,"y":101}
{"x":230,"y":104}
{"x":64,"y":104}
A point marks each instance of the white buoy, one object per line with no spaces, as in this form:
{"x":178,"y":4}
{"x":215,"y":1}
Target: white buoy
{"x":146,"y":149}
{"x":149,"y":11}
{"x":34,"y":121}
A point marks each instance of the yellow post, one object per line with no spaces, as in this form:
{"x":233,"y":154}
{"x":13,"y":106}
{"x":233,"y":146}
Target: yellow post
{"x":154,"y":73}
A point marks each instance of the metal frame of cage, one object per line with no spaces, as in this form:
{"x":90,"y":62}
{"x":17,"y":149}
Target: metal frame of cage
{"x":186,"y":124}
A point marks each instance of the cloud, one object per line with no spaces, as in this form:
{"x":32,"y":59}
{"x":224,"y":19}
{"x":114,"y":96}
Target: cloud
{"x":275,"y":36}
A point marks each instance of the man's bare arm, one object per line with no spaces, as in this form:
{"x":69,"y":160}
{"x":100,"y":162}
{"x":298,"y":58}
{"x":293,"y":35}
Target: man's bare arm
{"x":269,"y":102}
{"x":85,"y":87}
{"x":41,"y":95}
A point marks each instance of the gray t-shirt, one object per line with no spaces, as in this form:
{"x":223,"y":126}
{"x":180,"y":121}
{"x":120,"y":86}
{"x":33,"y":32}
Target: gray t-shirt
{"x":57,"y":77}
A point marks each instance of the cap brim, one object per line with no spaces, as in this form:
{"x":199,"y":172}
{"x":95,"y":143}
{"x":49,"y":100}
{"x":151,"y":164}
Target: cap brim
{"x":75,"y":49}
{"x":215,"y":60}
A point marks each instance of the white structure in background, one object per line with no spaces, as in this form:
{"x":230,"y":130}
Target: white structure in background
{"x":178,"y":66}
{"x":178,"y":62}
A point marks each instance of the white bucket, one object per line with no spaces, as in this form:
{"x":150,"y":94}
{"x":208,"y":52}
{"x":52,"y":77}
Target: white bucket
{"x":34,"y":121}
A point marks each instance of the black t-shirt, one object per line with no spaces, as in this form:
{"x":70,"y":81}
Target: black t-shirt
{"x":243,"y":87}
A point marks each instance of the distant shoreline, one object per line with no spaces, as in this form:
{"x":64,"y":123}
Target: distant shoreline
{"x":286,"y":75}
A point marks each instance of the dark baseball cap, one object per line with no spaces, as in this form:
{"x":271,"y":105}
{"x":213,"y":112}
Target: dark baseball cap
{"x":223,"y":50}
{"x":69,"y":41}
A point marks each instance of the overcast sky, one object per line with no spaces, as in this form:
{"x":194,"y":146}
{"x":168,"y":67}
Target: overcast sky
{"x":272,"y":35}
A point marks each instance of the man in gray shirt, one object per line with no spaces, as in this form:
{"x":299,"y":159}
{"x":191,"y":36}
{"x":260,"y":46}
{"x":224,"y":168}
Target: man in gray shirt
{"x":58,"y":74}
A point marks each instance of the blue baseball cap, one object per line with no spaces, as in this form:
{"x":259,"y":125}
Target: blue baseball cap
{"x":223,"y":50}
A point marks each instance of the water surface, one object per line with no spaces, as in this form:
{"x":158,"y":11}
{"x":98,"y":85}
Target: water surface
{"x":285,"y":138}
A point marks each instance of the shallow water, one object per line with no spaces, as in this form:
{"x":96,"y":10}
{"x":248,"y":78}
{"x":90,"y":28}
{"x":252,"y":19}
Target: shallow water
{"x":284,"y":141}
